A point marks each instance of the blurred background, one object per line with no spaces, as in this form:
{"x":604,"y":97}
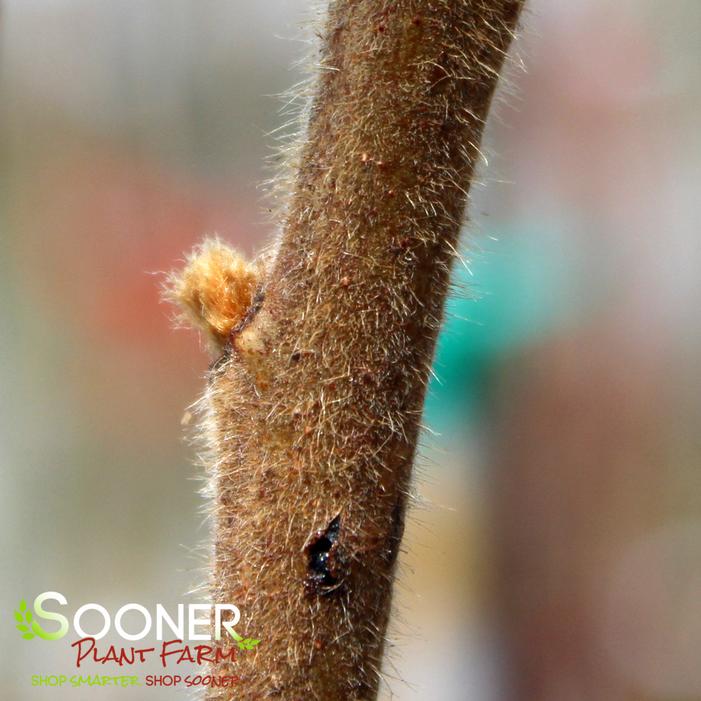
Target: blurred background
{"x":554,"y":553}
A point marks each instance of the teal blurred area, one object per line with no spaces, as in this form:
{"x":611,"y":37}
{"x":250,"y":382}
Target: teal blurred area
{"x":508,"y":291}
{"x":553,"y":551}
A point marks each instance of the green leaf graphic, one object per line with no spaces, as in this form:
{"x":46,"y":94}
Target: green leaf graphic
{"x":24,"y":619}
{"x":244,"y":643}
{"x":248,"y":643}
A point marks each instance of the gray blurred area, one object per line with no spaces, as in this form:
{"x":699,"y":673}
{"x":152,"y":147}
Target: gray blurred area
{"x":555,"y":551}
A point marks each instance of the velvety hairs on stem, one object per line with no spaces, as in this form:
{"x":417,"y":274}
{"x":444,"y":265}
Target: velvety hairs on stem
{"x":313,"y":403}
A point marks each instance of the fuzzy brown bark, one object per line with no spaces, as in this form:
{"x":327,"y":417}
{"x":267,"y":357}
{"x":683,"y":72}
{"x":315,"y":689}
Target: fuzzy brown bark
{"x":314,"y":407}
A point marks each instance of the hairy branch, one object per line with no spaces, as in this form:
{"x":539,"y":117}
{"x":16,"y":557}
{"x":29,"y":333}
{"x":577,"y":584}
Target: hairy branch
{"x":313,"y":407}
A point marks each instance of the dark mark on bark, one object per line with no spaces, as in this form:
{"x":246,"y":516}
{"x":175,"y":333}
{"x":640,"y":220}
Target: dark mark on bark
{"x":326,"y":564}
{"x":216,"y":366}
{"x":255,"y":307}
{"x":396,"y":531}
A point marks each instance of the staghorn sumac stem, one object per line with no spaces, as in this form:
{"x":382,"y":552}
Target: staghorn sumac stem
{"x":313,"y":407}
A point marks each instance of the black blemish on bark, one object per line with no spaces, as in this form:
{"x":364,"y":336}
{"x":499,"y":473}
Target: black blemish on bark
{"x":326,"y":563}
{"x":396,"y":532}
{"x":218,"y":364}
{"x":256,"y":304}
